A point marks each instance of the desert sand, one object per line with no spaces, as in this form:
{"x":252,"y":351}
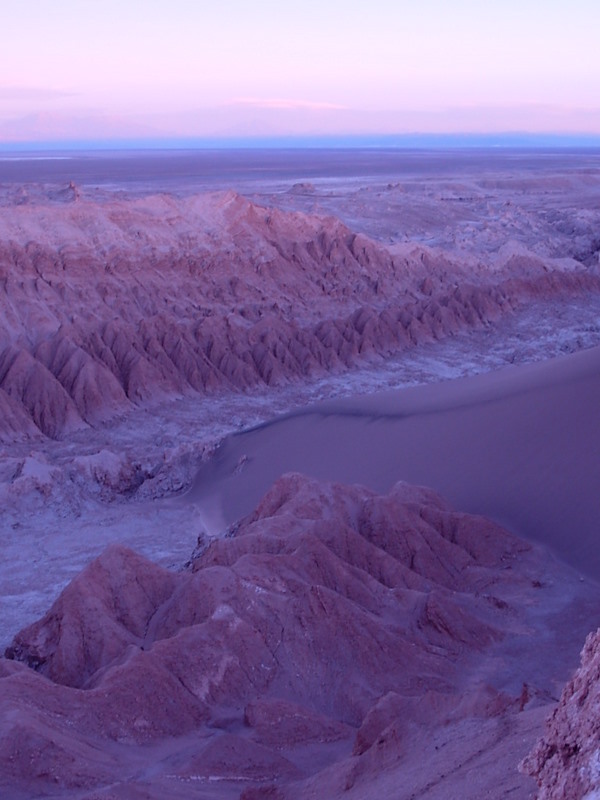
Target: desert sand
{"x":499,"y":444}
{"x":299,"y":473}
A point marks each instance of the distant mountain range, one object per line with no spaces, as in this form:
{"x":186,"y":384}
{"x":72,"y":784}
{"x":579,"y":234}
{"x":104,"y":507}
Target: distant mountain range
{"x":248,"y":125}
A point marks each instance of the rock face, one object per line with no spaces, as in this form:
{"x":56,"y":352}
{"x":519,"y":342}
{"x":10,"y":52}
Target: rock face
{"x":331,"y":618}
{"x":566,"y":761}
{"x":108,"y":305}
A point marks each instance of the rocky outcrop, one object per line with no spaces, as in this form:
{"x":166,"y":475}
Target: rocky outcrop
{"x":330,"y":614}
{"x":104,"y":306}
{"x":566,"y":761}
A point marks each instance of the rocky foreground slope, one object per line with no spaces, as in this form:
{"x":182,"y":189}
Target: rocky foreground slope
{"x":566,"y":761}
{"x":307,"y":653}
{"x":105,"y":305}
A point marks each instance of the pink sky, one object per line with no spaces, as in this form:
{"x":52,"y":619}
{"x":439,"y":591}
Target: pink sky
{"x":184,"y":67}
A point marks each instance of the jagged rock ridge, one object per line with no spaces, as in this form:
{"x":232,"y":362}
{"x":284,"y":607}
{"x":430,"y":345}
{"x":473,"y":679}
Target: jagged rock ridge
{"x":330,"y":615}
{"x":566,"y":760}
{"x":108,"y":305}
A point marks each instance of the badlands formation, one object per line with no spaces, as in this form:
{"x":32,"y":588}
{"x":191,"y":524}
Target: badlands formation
{"x":109,"y":305}
{"x":223,"y":575}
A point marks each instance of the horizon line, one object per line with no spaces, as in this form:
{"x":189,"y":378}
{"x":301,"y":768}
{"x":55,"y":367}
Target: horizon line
{"x":509,"y":139}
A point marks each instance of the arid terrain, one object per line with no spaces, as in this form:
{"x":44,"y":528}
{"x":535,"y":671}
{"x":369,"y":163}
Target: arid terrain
{"x":299,"y":474}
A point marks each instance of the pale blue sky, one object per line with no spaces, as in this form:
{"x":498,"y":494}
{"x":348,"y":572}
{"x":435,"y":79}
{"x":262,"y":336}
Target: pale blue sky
{"x":161,"y":64}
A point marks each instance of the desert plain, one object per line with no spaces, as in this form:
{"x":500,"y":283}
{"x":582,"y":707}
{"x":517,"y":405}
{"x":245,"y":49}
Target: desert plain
{"x":299,"y":474}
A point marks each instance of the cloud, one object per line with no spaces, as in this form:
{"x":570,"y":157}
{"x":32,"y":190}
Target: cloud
{"x":284,"y":104}
{"x":250,"y":117}
{"x":31,"y":93}
{"x":81,"y":126}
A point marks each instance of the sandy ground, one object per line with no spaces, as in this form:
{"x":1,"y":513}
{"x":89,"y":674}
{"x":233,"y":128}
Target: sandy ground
{"x":518,"y":445}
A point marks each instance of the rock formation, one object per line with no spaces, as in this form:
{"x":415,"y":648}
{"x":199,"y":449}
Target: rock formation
{"x":109,"y":304}
{"x":566,"y":761}
{"x":328,"y":625}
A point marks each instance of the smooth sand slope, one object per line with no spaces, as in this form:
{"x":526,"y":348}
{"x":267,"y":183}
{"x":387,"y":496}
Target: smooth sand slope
{"x":520,"y":445}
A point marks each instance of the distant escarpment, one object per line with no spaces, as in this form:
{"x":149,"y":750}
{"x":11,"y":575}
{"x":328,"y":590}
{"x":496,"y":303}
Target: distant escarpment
{"x":108,"y":305}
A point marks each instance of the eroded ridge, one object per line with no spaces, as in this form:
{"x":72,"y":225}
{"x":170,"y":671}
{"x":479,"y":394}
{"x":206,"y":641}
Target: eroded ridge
{"x":329,"y":626}
{"x":109,"y":305}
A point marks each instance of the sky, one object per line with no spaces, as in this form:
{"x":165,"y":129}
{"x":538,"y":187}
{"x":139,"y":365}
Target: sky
{"x":120,"y":68}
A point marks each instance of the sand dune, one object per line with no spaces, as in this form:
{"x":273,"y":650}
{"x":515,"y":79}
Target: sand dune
{"x":520,"y":445}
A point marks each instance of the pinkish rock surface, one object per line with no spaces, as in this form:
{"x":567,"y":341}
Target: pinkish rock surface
{"x":109,"y":304}
{"x":320,"y":635}
{"x":566,"y":760}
